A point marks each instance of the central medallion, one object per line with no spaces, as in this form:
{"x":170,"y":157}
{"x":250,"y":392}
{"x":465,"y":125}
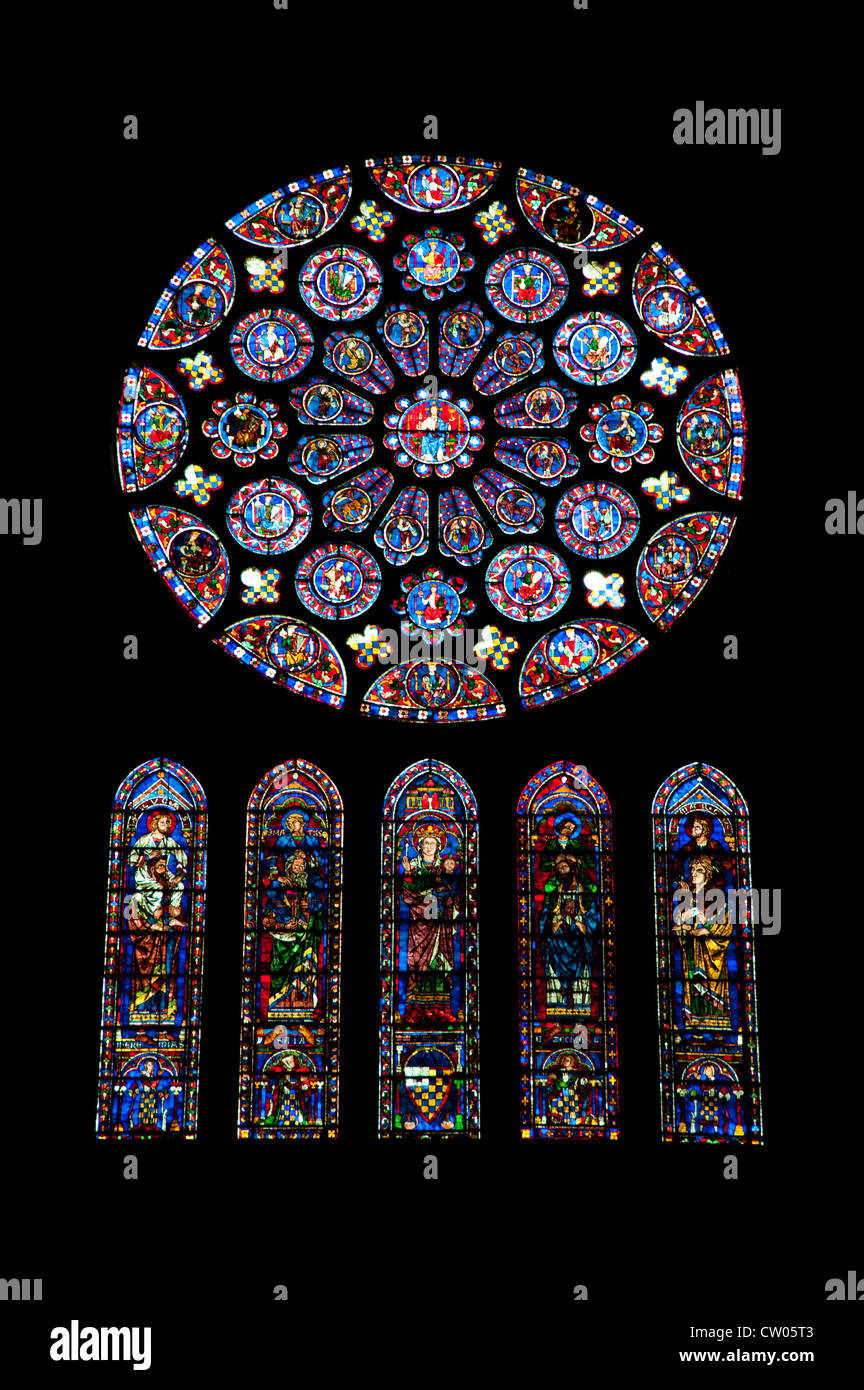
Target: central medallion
{"x":433,"y":432}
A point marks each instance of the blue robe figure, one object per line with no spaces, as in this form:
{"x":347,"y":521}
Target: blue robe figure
{"x":569,"y":922}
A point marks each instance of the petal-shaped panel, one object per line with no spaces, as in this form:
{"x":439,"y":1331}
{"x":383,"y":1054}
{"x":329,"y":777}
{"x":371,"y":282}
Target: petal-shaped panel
{"x":194,"y":302}
{"x":711,"y":433}
{"x":291,"y":654}
{"x":673,"y":308}
{"x":440,"y":692}
{"x":563,"y":213}
{"x":677,"y":561}
{"x":188,"y":555}
{"x":433,"y":183}
{"x":153,"y":429}
{"x":296,"y":214}
{"x":576,"y":656}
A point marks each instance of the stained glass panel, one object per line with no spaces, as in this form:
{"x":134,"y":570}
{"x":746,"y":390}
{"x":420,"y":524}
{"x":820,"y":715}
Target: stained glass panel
{"x":289,"y":1041}
{"x":709,"y":1051}
{"x":429,"y":1078}
{"x":148,"y":1069}
{"x":567,"y":1007}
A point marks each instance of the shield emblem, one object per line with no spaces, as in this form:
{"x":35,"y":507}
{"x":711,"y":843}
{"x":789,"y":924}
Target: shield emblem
{"x":428,"y":1075}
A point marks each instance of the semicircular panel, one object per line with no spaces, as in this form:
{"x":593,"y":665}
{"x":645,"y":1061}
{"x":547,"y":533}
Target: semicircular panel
{"x":576,"y":656}
{"x":188,"y":555}
{"x":433,"y":183}
{"x":296,"y":214}
{"x":563,"y":213}
{"x":677,"y":561}
{"x":673,"y":308}
{"x":194,"y":302}
{"x":153,"y":429}
{"x":439,"y":692}
{"x":292,"y":654}
{"x":711,"y":433}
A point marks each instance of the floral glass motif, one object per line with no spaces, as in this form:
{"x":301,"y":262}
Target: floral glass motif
{"x":289,"y":1041}
{"x":706,"y":977}
{"x":447,"y":382}
{"x":429,"y":1064}
{"x":567,"y":1008}
{"x":151,"y":1003}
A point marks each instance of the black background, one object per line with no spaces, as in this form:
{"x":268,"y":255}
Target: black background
{"x":400,"y":1274}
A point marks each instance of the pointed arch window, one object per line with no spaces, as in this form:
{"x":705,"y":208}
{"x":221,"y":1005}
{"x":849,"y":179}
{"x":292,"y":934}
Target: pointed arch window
{"x":428,"y":1070}
{"x":706,"y":981}
{"x":148,"y":1068}
{"x":289,"y":1047}
{"x":567,"y":1010}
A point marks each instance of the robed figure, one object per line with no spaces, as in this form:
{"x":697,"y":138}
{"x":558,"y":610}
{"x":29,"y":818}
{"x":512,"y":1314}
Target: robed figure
{"x":569,"y":921}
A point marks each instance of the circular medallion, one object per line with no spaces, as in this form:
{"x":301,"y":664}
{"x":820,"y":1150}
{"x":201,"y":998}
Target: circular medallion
{"x":433,"y":186}
{"x":433,"y":604}
{"x":567,"y":221}
{"x":433,"y":261}
{"x":403,"y":534}
{"x":432,"y":684}
{"x":200,"y":303}
{"x":597,"y":520}
{"x":433,"y":431}
{"x":515,"y":356}
{"x":666,"y":309}
{"x":572,"y":650}
{"x":160,"y":427}
{"x":352,"y":356}
{"x":545,"y":405}
{"x":338,"y":581}
{"x":300,"y":216}
{"x":351,"y":505}
{"x":322,"y":402}
{"x":193,"y":553}
{"x":464,"y":535}
{"x":269,"y":516}
{"x":595,"y":348}
{"x":245,"y":426}
{"x":271,"y":345}
{"x":403,"y":328}
{"x":462,"y":329}
{"x":546,"y":460}
{"x":671,"y":558}
{"x":526,"y":286}
{"x":621,"y":433}
{"x":705,"y":432}
{"x":293,"y":647}
{"x":528,"y":583}
{"x":322,"y":456}
{"x":340,"y":283}
{"x":515,"y":506}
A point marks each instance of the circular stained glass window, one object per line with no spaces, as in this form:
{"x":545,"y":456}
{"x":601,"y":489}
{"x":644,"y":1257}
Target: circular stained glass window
{"x":432,"y":438}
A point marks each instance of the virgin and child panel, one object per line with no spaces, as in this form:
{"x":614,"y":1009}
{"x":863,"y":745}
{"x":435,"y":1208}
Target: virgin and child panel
{"x":289,"y":1084}
{"x":428,"y":1068}
{"x":567,"y":1009}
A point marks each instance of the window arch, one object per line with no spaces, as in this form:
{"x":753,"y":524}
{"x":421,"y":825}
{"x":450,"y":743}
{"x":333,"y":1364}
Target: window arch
{"x":289,"y":1041}
{"x":567,"y":1012}
{"x":706,"y":985}
{"x":428,"y":1067}
{"x":148,"y":1068}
